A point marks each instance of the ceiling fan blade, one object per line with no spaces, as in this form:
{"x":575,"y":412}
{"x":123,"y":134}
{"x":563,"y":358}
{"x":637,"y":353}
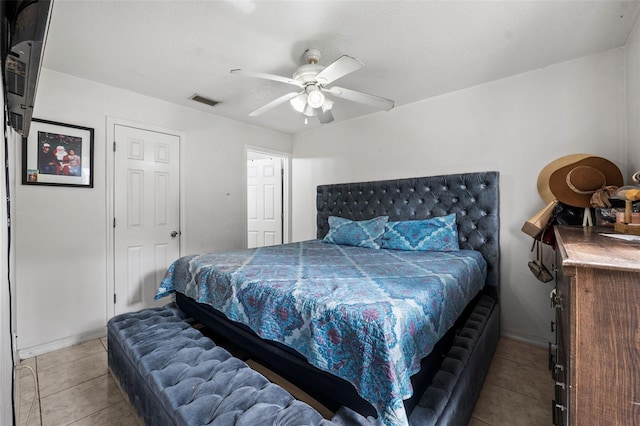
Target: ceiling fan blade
{"x":266,"y":76}
{"x":274,"y":103}
{"x":362,"y":98}
{"x":342,"y":66}
{"x":325,"y":117}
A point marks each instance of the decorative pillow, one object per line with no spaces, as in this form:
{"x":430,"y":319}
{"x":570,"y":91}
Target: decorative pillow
{"x":435,"y":234}
{"x":364,"y":233}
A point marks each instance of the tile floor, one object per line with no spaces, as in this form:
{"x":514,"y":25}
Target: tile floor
{"x":76,"y":388}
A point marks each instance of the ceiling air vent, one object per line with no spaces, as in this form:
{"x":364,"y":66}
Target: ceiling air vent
{"x":204,"y":100}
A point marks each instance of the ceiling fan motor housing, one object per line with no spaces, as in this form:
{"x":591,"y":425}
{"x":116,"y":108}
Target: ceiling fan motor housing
{"x":307,"y":73}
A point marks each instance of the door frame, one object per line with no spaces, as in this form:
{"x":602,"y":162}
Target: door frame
{"x":110,"y":191}
{"x":286,"y":191}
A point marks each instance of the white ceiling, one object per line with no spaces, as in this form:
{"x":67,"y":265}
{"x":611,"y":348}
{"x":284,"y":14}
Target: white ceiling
{"x":412,"y":50}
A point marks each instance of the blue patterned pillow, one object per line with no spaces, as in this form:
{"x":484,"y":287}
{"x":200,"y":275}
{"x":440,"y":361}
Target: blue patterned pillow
{"x":364,"y":233}
{"x":435,"y":234}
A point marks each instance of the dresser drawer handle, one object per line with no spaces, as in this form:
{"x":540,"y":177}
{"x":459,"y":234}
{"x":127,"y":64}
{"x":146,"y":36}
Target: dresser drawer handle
{"x":556,"y":301}
{"x":557,"y":420}
{"x":558,"y":376}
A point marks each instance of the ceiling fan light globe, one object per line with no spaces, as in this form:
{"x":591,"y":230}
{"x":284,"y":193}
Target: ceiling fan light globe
{"x":299,"y":102}
{"x":315,"y":98}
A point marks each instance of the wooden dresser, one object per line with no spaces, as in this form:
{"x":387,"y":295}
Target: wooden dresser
{"x":595,"y":362}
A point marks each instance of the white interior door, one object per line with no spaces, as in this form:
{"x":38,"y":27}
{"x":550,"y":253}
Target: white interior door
{"x":264,"y":202}
{"x":146,"y":212}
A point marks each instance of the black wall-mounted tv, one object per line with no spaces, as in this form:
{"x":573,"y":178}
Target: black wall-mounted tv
{"x":24,"y":29}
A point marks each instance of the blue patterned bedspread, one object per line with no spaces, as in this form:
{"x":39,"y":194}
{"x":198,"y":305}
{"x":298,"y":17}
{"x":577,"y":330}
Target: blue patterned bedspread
{"x":367,"y":316}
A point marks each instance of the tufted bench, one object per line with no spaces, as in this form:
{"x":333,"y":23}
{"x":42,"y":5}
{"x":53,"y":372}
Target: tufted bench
{"x":173,"y":375}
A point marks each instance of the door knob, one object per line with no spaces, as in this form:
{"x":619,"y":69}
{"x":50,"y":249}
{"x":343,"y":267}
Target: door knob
{"x":174,"y":234}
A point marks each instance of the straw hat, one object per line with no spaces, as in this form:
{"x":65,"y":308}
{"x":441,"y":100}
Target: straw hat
{"x":573,"y":179}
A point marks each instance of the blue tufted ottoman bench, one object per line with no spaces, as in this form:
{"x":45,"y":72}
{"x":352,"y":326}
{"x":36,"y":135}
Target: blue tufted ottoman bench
{"x":173,"y":375}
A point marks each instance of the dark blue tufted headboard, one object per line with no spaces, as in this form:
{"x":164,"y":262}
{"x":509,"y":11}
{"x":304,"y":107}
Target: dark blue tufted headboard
{"x":474,"y":197}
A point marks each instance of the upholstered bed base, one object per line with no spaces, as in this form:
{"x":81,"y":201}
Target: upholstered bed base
{"x":173,"y":375}
{"x":445,"y":390}
{"x":451,"y":396}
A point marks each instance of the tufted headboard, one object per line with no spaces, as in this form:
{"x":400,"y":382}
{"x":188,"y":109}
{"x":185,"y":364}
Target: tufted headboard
{"x":474,"y":197}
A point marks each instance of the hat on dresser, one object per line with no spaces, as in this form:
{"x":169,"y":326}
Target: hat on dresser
{"x":574,"y":178}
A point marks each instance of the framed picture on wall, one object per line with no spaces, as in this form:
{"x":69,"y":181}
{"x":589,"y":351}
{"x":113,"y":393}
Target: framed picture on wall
{"x":57,"y":154}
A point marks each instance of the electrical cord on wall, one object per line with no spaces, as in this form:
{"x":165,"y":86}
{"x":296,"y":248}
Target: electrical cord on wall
{"x":10,"y":296}
{"x":8,"y":207}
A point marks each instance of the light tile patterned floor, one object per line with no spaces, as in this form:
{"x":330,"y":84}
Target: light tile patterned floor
{"x":518,"y":389}
{"x":76,"y":389}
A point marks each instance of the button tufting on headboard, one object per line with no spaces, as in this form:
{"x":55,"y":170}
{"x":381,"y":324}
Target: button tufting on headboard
{"x":474,"y":197}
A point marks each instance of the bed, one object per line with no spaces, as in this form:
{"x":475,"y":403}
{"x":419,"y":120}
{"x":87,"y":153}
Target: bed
{"x":359,"y":326}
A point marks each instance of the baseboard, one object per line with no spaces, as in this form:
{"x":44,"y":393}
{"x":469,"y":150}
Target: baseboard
{"x":531,"y":340}
{"x":24,"y":353}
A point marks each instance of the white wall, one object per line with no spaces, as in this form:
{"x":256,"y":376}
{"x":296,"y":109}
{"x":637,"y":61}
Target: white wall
{"x":61,"y":232}
{"x":515,"y":126}
{"x":633,"y":99}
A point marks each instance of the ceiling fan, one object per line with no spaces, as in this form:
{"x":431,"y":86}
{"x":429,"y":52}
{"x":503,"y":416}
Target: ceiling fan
{"x":314,"y":80}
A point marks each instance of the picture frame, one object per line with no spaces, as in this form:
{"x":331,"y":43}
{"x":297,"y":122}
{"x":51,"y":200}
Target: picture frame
{"x":57,"y":154}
